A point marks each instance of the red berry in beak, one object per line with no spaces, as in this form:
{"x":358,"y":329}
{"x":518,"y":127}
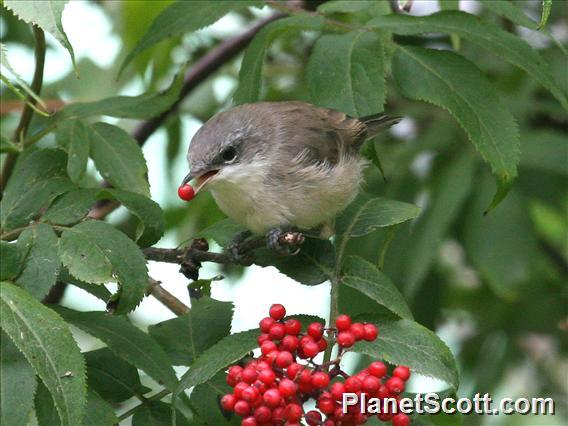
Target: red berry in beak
{"x":186,"y":192}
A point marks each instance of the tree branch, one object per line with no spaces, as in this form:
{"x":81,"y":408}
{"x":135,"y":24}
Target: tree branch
{"x":191,"y":257}
{"x":167,"y":299}
{"x":28,"y":111}
{"x":199,"y":72}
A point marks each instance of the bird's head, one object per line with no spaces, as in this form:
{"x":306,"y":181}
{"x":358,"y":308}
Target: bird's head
{"x":222,"y":148}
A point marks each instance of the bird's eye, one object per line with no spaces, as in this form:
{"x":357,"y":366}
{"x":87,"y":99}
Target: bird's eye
{"x":229,"y":154}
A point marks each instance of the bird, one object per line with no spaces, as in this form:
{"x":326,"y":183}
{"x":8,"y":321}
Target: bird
{"x":273,"y":167}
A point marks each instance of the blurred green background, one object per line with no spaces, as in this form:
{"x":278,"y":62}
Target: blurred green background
{"x":493,"y":287}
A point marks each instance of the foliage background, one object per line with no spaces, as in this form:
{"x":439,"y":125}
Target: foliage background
{"x":492,"y":287}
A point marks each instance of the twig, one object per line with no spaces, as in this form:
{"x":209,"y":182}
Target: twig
{"x":190,"y":258}
{"x":155,"y":397}
{"x":28,"y":111}
{"x":198,"y":73}
{"x":167,"y":299}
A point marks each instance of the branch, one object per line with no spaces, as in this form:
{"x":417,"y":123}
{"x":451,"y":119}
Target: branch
{"x":191,"y":257}
{"x":167,"y":299}
{"x":199,"y":72}
{"x":28,"y":111}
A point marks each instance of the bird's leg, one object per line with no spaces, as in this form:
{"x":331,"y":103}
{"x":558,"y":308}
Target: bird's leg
{"x":284,"y":242}
{"x":232,"y":248}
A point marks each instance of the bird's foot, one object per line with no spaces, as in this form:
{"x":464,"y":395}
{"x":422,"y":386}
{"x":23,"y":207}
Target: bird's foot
{"x":233,"y":248}
{"x":286,"y":243}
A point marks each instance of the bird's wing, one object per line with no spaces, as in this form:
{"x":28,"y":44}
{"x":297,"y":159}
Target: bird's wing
{"x":320,"y":134}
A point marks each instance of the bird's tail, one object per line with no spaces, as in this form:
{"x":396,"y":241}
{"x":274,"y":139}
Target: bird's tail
{"x":378,"y":122}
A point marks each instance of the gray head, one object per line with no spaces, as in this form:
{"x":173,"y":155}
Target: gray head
{"x":228,"y":140}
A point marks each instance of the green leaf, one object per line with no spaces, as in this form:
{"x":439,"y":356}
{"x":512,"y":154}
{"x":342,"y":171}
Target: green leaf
{"x":544,"y":151}
{"x":74,"y":137}
{"x":363,"y":276}
{"x":119,"y":158}
{"x":450,"y":188}
{"x":510,"y":11}
{"x":206,"y":398}
{"x":126,"y":341}
{"x":184,"y":17}
{"x":354,"y":6}
{"x":546,"y":8}
{"x":506,"y":45}
{"x":227,"y":351}
{"x":313,"y":265}
{"x":222,"y":232}
{"x":98,"y":412}
{"x":347,"y":72}
{"x":96,"y":252}
{"x":17,"y":385}
{"x":74,"y":206}
{"x":208,"y":322}
{"x":35,"y":182}
{"x":12,"y":260}
{"x":250,"y":75}
{"x":501,"y":245}
{"x":42,"y":263}
{"x":455,"y":84}
{"x":45,"y":410}
{"x":45,"y":340}
{"x":111,"y":377}
{"x":157,"y":413}
{"x":367,"y":213}
{"x":405,"y":342}
{"x":46,"y":15}
{"x":144,"y":106}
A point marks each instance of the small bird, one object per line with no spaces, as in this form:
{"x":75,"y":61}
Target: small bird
{"x":279,"y":166}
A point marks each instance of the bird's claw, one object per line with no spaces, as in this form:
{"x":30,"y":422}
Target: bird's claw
{"x":233,"y":249}
{"x":285,"y":243}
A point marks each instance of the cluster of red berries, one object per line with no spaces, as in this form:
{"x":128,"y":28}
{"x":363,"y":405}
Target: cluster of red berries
{"x":272,"y":389}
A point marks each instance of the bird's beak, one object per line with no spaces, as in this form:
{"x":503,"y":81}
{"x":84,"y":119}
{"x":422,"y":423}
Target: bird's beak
{"x":201,"y":178}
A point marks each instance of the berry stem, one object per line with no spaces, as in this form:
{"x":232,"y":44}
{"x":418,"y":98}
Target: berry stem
{"x":333,"y":312}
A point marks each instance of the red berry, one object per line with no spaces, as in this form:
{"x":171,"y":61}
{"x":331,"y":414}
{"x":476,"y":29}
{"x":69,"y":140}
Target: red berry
{"x":293,"y":412}
{"x":293,"y":370}
{"x":262,"y":338}
{"x":383,"y":392}
{"x":242,"y":408}
{"x":277,"y":311}
{"x":345,"y":339}
{"x":313,"y":417}
{"x":287,"y":387}
{"x":310,"y":349}
{"x":278,"y":416}
{"x":268,"y":347}
{"x":402,"y":372}
{"x":326,"y":405}
{"x":186,"y":192}
{"x":235,"y":371}
{"x":293,"y":327}
{"x":263,"y":414}
{"x":249,"y":421}
{"x":238,"y":390}
{"x":384,"y":417}
{"x":395,"y":384}
{"x":352,"y":384}
{"x":343,"y":322}
{"x":290,"y":343}
{"x":400,"y":419}
{"x":250,"y":394}
{"x":249,"y":375}
{"x":272,"y":397}
{"x":371,"y":384}
{"x":320,"y":379}
{"x":377,"y":369}
{"x":265,"y":324}
{"x":271,"y":356}
{"x":277,"y":331}
{"x":284,"y":359}
{"x":337,"y":390}
{"x":228,"y":402}
{"x":358,"y":330}
{"x":267,"y":376}
{"x":315,"y":329}
{"x":305,"y":376}
{"x":371,"y":332}
{"x":322,"y":344}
